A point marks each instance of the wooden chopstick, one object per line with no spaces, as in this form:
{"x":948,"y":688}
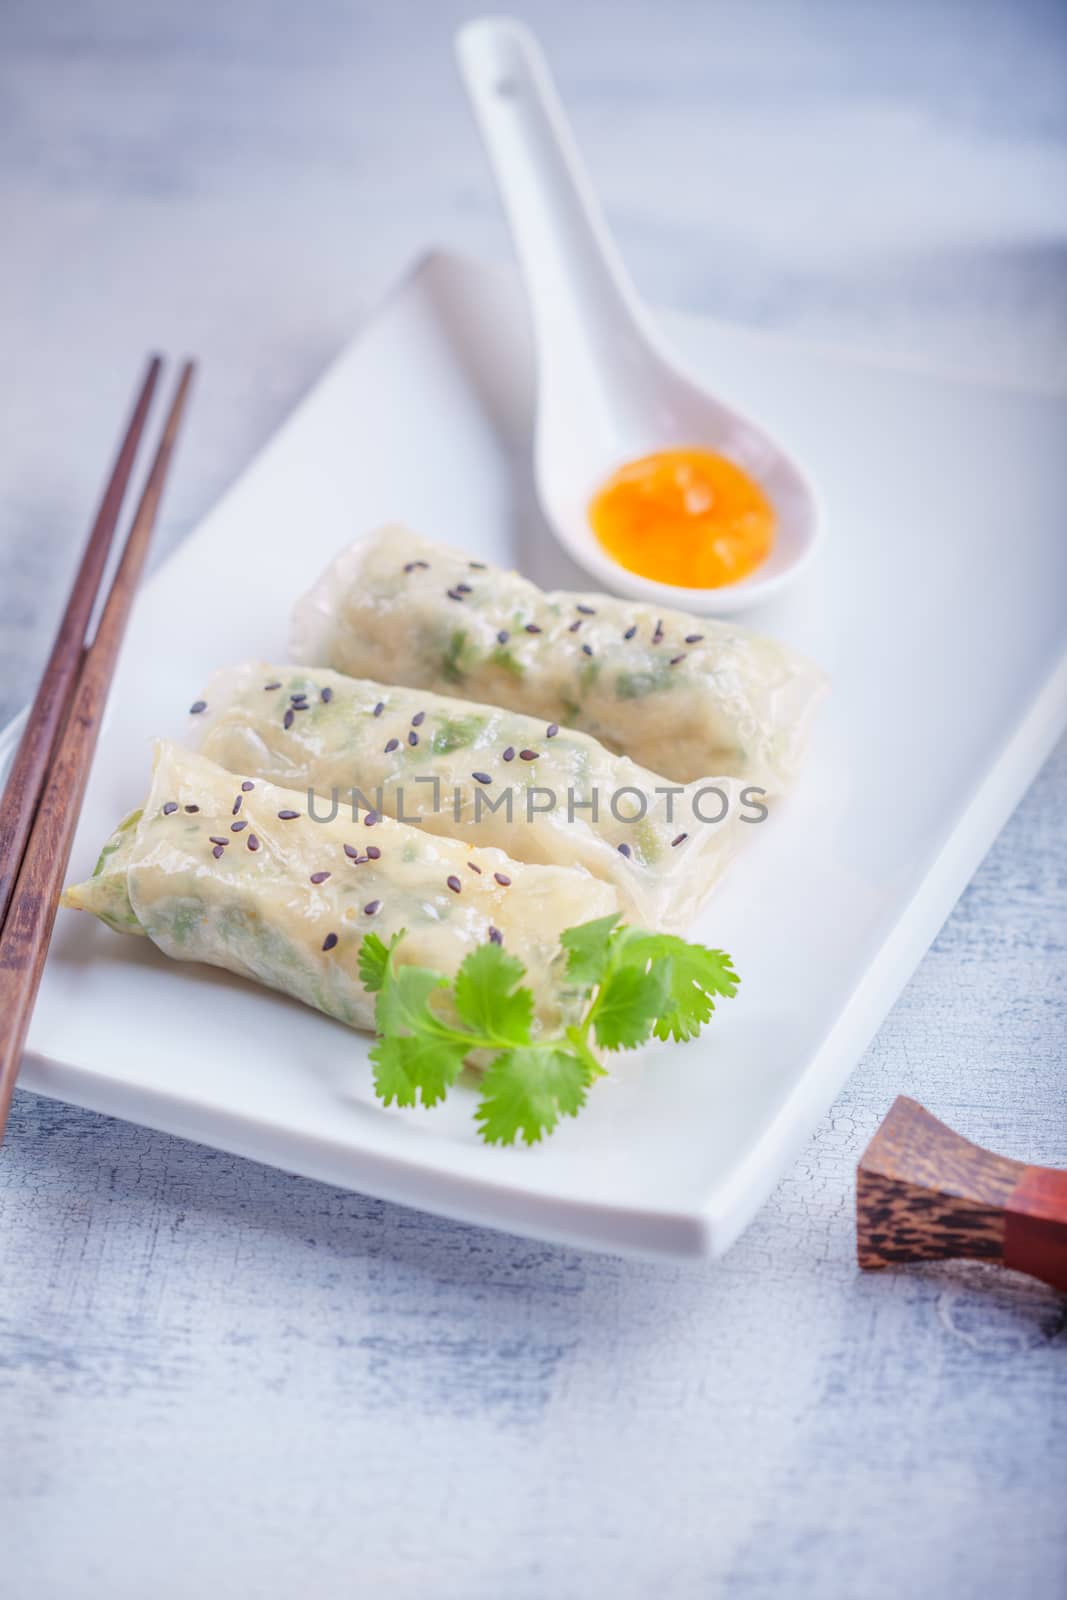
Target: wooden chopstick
{"x":52,"y":700}
{"x":25,"y":935}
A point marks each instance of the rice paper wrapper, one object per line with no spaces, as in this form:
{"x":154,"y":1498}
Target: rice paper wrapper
{"x":287,"y":900}
{"x":688,"y":697}
{"x":541,"y":792}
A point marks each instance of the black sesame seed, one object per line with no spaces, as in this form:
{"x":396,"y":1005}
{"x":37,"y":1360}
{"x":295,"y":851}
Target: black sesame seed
{"x":289,"y":718}
{"x":267,"y":687}
{"x":418,"y":719}
{"x":477,"y":566}
{"x":503,"y":636}
{"x":495,"y":935}
{"x":475,"y":867}
{"x":288,"y":816}
{"x":509,"y":753}
{"x":531,"y":627}
{"x":351,"y":852}
{"x":676,"y":659}
{"x":481,"y":777}
{"x":370,"y":819}
{"x":372,"y":908}
{"x":247,"y":786}
{"x":217,"y":852}
{"x":587,"y":649}
{"x":253,"y":842}
{"x":319,"y":877}
{"x":298,"y":699}
{"x":587,"y":611}
{"x":680,"y":840}
{"x":630,"y":631}
{"x":552,"y":730}
{"x":413,"y":738}
{"x":503,"y":879}
{"x":373,"y":853}
{"x":379,"y":708}
{"x":528,"y":755}
{"x":575,"y":626}
{"x":236,"y":806}
{"x":171,"y":805}
{"x":327,"y":695}
{"x":329,"y":941}
{"x":301,"y":705}
{"x":624,"y":850}
{"x":197,"y":706}
{"x":453,"y":594}
{"x":693,"y":638}
{"x":454,"y":883}
{"x":192,"y":809}
{"x":214,"y":837}
{"x":658,"y":635}
{"x":464,"y":588}
{"x":412,"y":566}
{"x":394,"y":744}
{"x":238,"y":827}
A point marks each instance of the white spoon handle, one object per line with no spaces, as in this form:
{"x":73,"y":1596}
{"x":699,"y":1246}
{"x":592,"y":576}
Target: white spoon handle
{"x":585,"y":311}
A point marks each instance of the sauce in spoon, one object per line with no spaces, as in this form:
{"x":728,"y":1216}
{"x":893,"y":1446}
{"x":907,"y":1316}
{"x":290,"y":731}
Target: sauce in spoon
{"x":685,"y":517}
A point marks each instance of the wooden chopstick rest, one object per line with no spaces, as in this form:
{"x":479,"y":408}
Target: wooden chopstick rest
{"x":924,"y":1193}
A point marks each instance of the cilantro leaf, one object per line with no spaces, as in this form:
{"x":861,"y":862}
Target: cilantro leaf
{"x":588,"y":948}
{"x":408,"y":1067}
{"x":629,"y":984}
{"x":487,"y":996}
{"x":526,"y":1091}
{"x":695,"y":975}
{"x":629,"y":1002}
{"x":374,"y":958}
{"x":404,"y":1002}
{"x":416,"y":1054}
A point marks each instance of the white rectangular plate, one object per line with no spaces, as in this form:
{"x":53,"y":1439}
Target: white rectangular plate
{"x":938,"y":607}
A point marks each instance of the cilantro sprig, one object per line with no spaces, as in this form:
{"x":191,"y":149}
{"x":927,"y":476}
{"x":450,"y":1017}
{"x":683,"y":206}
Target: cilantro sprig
{"x":627,"y":985}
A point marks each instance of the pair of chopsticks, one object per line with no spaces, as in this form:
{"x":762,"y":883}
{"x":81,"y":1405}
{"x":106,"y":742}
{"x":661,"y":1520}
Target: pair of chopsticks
{"x":44,"y":792}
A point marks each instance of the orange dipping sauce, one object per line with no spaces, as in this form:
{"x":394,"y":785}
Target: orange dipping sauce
{"x":686,"y":517}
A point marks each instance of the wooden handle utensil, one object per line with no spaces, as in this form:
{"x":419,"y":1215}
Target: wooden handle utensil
{"x":924,"y":1193}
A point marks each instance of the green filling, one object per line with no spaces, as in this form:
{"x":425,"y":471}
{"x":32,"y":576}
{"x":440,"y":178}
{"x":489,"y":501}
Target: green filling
{"x":185,"y":916}
{"x":105,"y":894}
{"x":648,"y":845}
{"x":502,"y":657}
{"x":452,"y":733}
{"x":647,"y":680}
{"x":116,"y":841}
{"x":453,"y":667}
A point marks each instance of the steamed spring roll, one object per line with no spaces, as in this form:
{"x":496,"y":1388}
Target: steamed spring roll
{"x":539,"y":791}
{"x":233,"y":872}
{"x":685,"y":696}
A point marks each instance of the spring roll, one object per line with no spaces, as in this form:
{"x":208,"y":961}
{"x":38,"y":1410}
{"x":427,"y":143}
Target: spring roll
{"x":234,"y":872}
{"x":538,"y":791}
{"x":685,"y":696}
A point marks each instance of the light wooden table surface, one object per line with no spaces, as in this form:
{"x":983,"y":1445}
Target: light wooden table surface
{"x":219,"y":1380}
